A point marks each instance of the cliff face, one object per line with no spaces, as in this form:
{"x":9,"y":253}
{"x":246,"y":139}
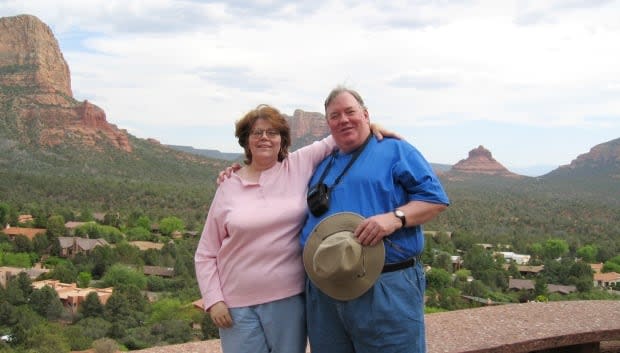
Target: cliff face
{"x":30,"y":57}
{"x":603,"y":155}
{"x":35,"y":91}
{"x":480,"y":161}
{"x":306,"y":127}
{"x":602,"y":159}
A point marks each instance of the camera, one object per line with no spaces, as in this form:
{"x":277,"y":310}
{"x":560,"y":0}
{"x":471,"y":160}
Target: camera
{"x":318,"y":199}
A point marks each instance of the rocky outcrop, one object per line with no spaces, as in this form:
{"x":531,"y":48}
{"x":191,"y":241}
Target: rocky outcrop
{"x":480,"y":161}
{"x":35,"y":88}
{"x":30,"y":58}
{"x":306,"y":127}
{"x":308,"y":123}
{"x":603,"y":160}
{"x":603,"y":155}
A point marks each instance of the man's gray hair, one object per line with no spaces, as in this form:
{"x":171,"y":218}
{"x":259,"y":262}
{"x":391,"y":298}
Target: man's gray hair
{"x":342,"y":89}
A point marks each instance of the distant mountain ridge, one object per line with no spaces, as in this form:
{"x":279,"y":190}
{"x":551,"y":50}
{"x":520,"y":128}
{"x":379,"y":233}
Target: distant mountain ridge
{"x":602,"y":159}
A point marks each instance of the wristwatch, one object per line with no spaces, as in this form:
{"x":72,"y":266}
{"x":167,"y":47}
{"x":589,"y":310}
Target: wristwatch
{"x":401,"y":215}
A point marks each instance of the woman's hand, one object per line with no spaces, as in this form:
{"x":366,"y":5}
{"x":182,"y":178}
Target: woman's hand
{"x":381,"y":132}
{"x":220,"y":315}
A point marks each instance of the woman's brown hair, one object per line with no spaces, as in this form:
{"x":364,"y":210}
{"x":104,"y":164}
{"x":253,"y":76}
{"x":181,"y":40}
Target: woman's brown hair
{"x":243,"y":128}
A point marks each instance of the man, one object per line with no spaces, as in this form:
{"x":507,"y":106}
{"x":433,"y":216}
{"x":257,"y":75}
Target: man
{"x":394,"y":188}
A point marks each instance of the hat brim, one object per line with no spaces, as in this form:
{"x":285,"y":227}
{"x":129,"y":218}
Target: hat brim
{"x":347,"y":288}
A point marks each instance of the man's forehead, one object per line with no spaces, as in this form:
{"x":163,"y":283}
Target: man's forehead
{"x":345,"y":101}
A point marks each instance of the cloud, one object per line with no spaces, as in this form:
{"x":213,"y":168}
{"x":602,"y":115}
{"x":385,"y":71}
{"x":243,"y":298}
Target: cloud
{"x":419,"y":63}
{"x":423,"y":81}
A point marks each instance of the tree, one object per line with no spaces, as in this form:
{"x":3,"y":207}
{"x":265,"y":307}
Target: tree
{"x":173,"y":331}
{"x":91,"y":306}
{"x":46,"y":339}
{"x":165,"y":309}
{"x":170,"y":224}
{"x":5,"y":212}
{"x":138,"y":233}
{"x":144,"y":222}
{"x":56,"y":227}
{"x":65,"y":272}
{"x":26,"y":322}
{"x":93,"y":327}
{"x":478,"y":260}
{"x":86,"y":215}
{"x":588,"y":253}
{"x":112,"y":219}
{"x":46,"y":303}
{"x":208,"y":328}
{"x":83,"y":279}
{"x":125,"y":309}
{"x":443,"y":260}
{"x":536,"y":250}
{"x":128,"y":253}
{"x":555,"y":248}
{"x":121,"y":275}
{"x":22,"y":243}
{"x":582,"y":276}
{"x":8,"y":312}
{"x":40,"y":243}
{"x":77,"y":338}
{"x":438,"y":278}
{"x":21,"y":259}
{"x":24,"y":283}
{"x":117,"y":311}
{"x":612,"y":265}
{"x":540,"y":286}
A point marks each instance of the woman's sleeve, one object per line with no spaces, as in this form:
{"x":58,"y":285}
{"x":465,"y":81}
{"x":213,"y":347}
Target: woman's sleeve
{"x":308,"y":157}
{"x":205,"y":259}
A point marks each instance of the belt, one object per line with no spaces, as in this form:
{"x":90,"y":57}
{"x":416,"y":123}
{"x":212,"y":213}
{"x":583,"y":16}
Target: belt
{"x":400,"y":265}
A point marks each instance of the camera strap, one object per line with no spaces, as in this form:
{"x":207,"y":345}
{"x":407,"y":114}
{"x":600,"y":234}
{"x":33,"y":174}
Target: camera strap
{"x":353,"y":158}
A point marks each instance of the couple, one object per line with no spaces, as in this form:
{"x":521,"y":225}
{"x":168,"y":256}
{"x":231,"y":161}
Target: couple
{"x":249,"y":259}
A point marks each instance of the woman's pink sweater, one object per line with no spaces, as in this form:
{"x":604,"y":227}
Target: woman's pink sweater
{"x":249,"y":250}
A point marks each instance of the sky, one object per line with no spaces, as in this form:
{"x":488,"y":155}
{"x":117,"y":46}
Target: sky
{"x":537,"y":82}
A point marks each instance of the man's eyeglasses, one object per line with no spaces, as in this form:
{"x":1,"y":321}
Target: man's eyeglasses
{"x":271,"y":133}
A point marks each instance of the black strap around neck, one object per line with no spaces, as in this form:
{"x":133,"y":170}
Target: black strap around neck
{"x":353,"y":158}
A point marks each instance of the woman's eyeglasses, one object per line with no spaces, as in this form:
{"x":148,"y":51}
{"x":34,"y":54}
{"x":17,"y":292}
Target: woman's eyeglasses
{"x":271,"y":133}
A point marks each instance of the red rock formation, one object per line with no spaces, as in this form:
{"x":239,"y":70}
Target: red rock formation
{"x":306,"y":127}
{"x":607,"y":153}
{"x":308,"y":123}
{"x":480,"y":161}
{"x":35,"y":80}
{"x":32,"y":58}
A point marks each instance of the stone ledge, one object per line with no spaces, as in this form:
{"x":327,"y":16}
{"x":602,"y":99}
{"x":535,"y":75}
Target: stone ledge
{"x":520,"y":328}
{"x":512,"y":328}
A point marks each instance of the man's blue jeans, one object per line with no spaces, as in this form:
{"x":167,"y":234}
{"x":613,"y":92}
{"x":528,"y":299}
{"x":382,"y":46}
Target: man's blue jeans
{"x":388,"y":318}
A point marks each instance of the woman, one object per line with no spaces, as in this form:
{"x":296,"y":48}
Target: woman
{"x":248,"y":260}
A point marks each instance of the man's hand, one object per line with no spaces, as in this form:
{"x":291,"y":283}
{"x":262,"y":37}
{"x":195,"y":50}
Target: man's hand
{"x":373,"y":229}
{"x":220,"y":315}
{"x":226,"y":173}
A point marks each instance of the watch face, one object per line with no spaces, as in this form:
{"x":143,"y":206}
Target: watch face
{"x":399,"y":213}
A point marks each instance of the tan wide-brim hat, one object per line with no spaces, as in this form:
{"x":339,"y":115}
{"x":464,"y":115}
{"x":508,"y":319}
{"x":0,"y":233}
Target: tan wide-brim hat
{"x":337,"y":263}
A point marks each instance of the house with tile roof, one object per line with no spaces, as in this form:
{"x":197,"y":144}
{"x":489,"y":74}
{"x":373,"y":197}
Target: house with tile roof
{"x":7,"y":272}
{"x":71,"y":295}
{"x":146,"y":245}
{"x":606,"y":279}
{"x":29,"y":233}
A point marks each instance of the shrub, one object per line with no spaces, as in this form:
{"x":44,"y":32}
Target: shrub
{"x":105,"y":345}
